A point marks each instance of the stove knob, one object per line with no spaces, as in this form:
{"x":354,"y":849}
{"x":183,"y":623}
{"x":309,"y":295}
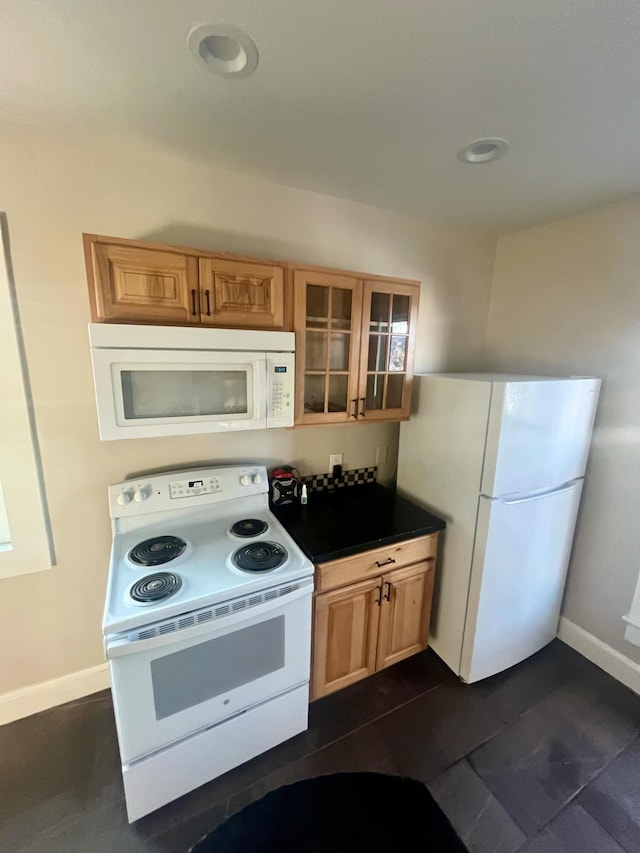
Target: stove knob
{"x":140,"y":495}
{"x":257,"y":479}
{"x":245,"y":480}
{"x":124,"y":498}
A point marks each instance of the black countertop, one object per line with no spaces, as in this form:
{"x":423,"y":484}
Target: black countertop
{"x":354,"y":519}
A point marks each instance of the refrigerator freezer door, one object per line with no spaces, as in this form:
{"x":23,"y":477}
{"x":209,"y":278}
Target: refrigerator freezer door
{"x":539,"y":434}
{"x":518,"y":573}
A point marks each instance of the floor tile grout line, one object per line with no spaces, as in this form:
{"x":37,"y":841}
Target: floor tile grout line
{"x":567,"y":802}
{"x":603,"y":827}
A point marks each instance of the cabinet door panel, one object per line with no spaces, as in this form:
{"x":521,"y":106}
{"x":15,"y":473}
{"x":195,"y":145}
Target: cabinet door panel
{"x":389,"y":313}
{"x":149,"y":285}
{"x":345,"y":636}
{"x":327,"y":309}
{"x":405,"y":613}
{"x":238,"y":293}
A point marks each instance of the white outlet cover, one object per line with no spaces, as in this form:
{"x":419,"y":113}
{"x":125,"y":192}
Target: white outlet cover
{"x":335,"y":459}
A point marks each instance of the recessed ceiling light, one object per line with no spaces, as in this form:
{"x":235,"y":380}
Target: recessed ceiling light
{"x":483,"y":150}
{"x":223,"y":49}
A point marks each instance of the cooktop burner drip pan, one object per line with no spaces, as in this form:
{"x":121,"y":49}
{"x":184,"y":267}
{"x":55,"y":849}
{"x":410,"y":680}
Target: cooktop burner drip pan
{"x":157,"y":551}
{"x":260,"y":557}
{"x":249,"y":527}
{"x":155,"y":587}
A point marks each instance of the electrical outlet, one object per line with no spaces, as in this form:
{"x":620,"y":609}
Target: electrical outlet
{"x":382,"y":454}
{"x":334,"y":459}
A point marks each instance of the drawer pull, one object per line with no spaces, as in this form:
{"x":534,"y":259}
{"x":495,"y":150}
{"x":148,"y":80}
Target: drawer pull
{"x":388,"y":593}
{"x":385,"y":562}
{"x":379,"y":598}
{"x":193,"y":301}
{"x":208,"y":298}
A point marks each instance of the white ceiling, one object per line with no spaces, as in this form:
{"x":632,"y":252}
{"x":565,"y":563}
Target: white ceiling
{"x":364,"y":99}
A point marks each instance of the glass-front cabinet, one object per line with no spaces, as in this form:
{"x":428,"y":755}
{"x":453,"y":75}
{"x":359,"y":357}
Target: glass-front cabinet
{"x":327,"y":310}
{"x":389,"y":312}
{"x":354,"y":347}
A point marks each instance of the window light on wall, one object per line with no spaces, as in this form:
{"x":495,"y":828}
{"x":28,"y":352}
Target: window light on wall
{"x":26,"y":545}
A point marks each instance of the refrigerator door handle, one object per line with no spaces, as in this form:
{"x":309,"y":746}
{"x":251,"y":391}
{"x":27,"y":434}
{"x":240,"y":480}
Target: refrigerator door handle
{"x":539,"y":495}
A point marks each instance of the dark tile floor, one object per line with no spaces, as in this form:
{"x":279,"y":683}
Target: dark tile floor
{"x":541,"y":759}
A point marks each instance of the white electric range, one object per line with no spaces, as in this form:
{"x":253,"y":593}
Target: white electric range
{"x":207,"y":628}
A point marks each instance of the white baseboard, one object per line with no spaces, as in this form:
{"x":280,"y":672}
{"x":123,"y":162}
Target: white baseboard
{"x":38,"y":697}
{"x":619,"y":666}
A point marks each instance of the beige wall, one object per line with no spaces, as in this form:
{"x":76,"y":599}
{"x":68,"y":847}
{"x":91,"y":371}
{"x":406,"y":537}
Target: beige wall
{"x":53,"y":188}
{"x":566,"y":299}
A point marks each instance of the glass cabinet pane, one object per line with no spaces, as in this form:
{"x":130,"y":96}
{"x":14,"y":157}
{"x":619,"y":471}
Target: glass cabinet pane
{"x":398,"y":353}
{"x":375,"y":388}
{"x":317,"y":306}
{"x":395,"y":387}
{"x":314,"y":386}
{"x":339,"y":352}
{"x":316,"y":351}
{"x":379,"y":320}
{"x":377,"y":352}
{"x":340,"y":308}
{"x":400,"y":314}
{"x":338,"y":393}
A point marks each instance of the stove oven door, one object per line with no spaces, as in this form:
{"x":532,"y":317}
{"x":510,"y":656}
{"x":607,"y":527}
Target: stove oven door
{"x":202,"y":667}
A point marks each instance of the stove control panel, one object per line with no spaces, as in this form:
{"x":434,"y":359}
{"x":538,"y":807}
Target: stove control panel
{"x":189,"y":488}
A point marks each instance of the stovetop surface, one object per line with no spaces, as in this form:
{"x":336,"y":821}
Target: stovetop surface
{"x":205,"y":567}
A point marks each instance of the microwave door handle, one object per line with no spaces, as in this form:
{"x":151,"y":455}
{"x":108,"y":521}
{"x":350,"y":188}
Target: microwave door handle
{"x":118,"y":647}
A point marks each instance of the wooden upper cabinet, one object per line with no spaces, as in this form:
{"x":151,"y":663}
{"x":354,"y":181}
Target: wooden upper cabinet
{"x":327,"y":310}
{"x":132,"y":282}
{"x":389,"y":314}
{"x":354,"y":347}
{"x":238,"y":293}
{"x":405,"y":613}
{"x":142,"y":285}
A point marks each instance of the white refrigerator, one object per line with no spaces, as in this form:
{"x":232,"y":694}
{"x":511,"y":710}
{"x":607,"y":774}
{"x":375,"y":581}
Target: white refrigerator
{"x":502,"y":459}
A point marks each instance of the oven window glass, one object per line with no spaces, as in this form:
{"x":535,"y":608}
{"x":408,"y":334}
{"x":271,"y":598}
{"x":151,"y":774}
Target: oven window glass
{"x":183,"y":393}
{"x":187,"y":678}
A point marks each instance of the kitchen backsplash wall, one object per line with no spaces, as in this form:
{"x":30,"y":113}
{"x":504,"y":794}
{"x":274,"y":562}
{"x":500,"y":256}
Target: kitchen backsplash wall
{"x":54,"y":187}
{"x":355,"y":477}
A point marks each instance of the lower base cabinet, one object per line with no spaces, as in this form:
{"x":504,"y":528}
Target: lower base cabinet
{"x":364,"y":627}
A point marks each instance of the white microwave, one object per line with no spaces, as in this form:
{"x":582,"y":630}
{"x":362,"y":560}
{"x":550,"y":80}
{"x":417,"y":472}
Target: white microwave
{"x":174,"y":380}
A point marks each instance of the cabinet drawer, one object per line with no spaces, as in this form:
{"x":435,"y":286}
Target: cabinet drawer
{"x":370,"y":563}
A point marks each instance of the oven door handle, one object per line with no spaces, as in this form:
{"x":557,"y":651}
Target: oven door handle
{"x":119,"y":645}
